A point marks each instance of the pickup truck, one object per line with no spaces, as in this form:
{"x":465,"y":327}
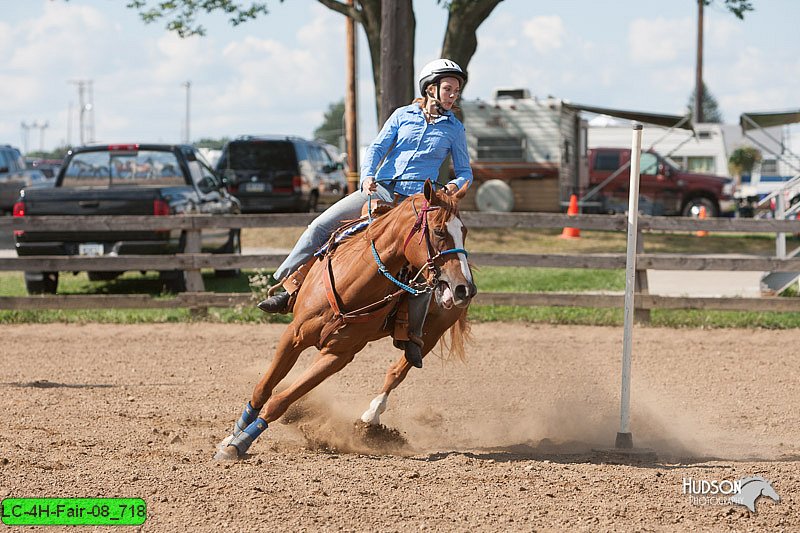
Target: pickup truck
{"x":666,"y":189}
{"x":126,"y":179}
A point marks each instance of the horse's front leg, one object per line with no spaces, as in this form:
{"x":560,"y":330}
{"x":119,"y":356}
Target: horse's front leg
{"x":285,"y":358}
{"x":394,"y":377}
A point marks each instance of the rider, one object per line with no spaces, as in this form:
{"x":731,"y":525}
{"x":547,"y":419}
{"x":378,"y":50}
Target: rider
{"x":409,"y":149}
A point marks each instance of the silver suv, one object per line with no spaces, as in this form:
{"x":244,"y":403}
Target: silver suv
{"x":281,"y":173}
{"x":14,"y":177}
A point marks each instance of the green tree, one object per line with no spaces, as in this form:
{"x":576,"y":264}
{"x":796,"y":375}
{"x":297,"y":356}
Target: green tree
{"x":212,"y":144}
{"x":460,"y":41}
{"x":331,"y":130}
{"x":737,"y":7}
{"x":711,"y":111}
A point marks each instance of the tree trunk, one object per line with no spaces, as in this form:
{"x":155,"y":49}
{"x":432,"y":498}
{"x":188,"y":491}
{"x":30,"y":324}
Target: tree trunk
{"x":460,"y":38}
{"x":397,"y":56}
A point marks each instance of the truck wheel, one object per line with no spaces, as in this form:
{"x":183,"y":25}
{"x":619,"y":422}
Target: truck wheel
{"x":173,"y":280}
{"x":234,"y":246}
{"x":692,"y":207}
{"x":41,"y":282}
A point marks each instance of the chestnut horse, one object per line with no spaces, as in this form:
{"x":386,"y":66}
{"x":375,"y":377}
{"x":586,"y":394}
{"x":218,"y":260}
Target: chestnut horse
{"x":425,"y":233}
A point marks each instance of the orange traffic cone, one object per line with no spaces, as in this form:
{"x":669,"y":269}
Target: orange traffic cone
{"x":571,"y":233}
{"x":701,"y":216}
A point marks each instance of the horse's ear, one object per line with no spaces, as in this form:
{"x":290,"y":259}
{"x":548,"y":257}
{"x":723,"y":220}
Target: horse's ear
{"x":428,"y":190}
{"x":462,"y":192}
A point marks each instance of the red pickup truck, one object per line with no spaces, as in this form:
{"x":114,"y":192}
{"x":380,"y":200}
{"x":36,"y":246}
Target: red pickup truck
{"x":664,"y":189}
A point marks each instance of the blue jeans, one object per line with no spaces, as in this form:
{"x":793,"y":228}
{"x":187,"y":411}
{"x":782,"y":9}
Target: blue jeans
{"x":319,"y":231}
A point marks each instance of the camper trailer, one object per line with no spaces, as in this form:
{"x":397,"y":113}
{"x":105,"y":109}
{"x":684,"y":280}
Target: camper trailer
{"x":536,"y":147}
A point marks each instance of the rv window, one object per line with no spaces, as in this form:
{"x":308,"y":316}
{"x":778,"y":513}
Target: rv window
{"x":501,"y":149}
{"x":606,"y":161}
{"x":769,"y":167}
{"x":704,"y":165}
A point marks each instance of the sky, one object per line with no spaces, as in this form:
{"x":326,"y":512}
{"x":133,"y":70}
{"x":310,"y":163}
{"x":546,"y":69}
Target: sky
{"x":279,"y":73}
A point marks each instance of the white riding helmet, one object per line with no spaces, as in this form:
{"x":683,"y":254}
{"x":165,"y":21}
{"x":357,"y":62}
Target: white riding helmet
{"x":438,"y":69}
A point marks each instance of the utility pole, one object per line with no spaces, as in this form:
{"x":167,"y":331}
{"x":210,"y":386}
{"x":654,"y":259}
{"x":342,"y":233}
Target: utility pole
{"x":698,"y":87}
{"x":351,"y":103}
{"x":187,"y":137}
{"x":85,"y":110}
{"x":25,"y":129}
{"x":43,"y":126}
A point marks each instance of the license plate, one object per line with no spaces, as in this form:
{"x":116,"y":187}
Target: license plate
{"x":257,"y":187}
{"x":90,"y":249}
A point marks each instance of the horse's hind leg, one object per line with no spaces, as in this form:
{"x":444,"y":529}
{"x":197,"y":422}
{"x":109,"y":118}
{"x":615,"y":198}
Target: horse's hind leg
{"x":394,"y":377}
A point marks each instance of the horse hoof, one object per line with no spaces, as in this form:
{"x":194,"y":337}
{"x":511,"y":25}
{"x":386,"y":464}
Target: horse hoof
{"x":229,"y":453}
{"x":224,"y":443}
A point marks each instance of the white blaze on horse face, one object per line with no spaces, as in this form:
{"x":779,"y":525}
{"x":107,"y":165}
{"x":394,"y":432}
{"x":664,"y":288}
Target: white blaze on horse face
{"x":456,"y":229}
{"x":376,"y":407}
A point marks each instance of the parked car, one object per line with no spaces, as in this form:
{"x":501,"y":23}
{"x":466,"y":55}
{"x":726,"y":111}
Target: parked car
{"x":14,"y":176}
{"x":273,"y":174}
{"x":126,"y":179}
{"x":666,"y":189}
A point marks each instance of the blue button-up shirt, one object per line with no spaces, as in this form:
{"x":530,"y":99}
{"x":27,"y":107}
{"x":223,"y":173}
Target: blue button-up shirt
{"x":413,"y":150}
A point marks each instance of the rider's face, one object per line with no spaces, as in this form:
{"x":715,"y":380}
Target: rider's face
{"x":449,"y":91}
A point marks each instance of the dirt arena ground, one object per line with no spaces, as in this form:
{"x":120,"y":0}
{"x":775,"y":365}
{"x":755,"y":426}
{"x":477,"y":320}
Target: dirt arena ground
{"x":510,"y":441}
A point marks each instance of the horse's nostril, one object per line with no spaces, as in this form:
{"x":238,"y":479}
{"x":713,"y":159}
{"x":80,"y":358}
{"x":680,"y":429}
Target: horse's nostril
{"x":461,"y":292}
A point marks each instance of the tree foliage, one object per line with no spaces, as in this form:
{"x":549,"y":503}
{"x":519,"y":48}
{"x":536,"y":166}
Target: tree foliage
{"x":212,"y":144}
{"x":181,"y":15}
{"x":737,"y":7}
{"x":711,"y":111}
{"x":331,"y":130}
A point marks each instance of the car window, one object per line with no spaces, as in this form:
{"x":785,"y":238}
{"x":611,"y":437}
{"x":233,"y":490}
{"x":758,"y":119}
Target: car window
{"x":204,"y":177}
{"x":4,"y":160}
{"x":606,"y":161}
{"x":124,"y":168}
{"x":324,"y":156}
{"x":648,"y":163}
{"x":259,"y":155}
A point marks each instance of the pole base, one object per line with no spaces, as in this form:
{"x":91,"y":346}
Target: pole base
{"x":624,"y":441}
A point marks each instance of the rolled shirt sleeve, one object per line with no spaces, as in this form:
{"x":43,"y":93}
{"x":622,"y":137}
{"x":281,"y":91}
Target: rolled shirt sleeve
{"x":460,"y":153}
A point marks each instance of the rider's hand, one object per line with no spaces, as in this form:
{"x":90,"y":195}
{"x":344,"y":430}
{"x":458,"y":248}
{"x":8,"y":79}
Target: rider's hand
{"x":369,"y":185}
{"x":451,"y":188}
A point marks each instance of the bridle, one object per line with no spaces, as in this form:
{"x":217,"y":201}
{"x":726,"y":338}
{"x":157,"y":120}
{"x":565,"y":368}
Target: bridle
{"x":415,"y":287}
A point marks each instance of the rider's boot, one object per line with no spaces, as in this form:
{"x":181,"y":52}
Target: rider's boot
{"x":283,"y":302}
{"x":417,"y":311}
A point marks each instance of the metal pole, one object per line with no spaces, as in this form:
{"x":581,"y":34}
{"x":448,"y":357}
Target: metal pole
{"x":187,"y":137}
{"x":624,"y":437}
{"x":780,"y":214}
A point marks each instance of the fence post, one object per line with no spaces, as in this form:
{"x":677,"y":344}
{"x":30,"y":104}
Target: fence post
{"x":194,"y":280}
{"x":640,"y":315}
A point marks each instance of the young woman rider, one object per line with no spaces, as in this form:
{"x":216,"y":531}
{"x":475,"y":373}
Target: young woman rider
{"x":409,"y":149}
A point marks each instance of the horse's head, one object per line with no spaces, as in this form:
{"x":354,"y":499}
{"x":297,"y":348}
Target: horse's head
{"x":440,"y":246}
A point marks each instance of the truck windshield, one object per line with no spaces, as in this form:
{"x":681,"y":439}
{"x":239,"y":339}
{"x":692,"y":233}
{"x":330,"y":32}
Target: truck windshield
{"x":121,"y":169}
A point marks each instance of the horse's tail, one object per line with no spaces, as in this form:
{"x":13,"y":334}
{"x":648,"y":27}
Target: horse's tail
{"x":454,"y":347}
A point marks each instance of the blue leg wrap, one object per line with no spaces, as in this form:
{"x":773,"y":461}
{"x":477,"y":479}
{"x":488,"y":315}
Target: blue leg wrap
{"x":249,"y":416}
{"x":245,"y":438}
